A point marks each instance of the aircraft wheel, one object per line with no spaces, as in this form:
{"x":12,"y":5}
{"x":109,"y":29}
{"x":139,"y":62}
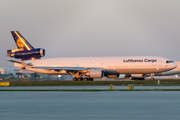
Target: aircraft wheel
{"x":152,"y":78}
{"x":85,"y":79}
{"x":74,"y":79}
{"x":80,"y":79}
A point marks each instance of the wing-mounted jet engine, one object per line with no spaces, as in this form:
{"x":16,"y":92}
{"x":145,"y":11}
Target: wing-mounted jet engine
{"x":25,"y":50}
{"x":111,"y":74}
{"x":138,"y":76}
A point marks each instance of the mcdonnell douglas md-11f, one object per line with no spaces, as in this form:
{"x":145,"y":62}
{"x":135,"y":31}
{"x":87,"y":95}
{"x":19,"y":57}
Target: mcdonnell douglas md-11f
{"x":84,"y":68}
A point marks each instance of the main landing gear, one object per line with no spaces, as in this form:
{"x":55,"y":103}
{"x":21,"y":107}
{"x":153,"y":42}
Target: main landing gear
{"x":152,"y":76}
{"x":82,"y":79}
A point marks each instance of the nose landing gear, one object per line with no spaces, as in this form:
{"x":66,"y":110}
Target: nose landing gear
{"x":152,"y":76}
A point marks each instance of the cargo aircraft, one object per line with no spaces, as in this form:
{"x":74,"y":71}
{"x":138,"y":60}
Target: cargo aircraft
{"x":85,"y":68}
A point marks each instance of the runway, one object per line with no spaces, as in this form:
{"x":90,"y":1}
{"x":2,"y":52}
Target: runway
{"x":131,"y":105}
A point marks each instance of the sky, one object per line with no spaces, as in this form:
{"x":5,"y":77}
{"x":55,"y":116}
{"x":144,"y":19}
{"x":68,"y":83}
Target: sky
{"x":83,"y":28}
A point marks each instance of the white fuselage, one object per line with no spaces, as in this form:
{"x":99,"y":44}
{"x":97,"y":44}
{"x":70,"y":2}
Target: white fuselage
{"x":123,"y":65}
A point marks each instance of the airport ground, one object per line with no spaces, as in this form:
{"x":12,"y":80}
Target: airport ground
{"x":97,"y":82}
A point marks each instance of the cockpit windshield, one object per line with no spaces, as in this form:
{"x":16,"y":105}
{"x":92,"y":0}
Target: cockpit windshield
{"x":168,"y":61}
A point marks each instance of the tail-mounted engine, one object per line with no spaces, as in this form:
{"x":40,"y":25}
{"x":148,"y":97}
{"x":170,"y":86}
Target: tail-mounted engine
{"x":26,"y":54}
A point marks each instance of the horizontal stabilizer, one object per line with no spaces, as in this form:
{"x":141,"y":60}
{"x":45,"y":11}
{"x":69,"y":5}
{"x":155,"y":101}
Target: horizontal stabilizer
{"x":14,"y":61}
{"x":20,"y":62}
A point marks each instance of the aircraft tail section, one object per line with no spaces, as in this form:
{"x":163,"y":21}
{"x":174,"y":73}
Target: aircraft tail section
{"x":20,"y":41}
{"x":25,"y":50}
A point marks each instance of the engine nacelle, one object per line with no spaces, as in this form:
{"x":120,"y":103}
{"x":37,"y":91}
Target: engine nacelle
{"x":26,"y":54}
{"x":111,"y":74}
{"x":95,"y":73}
{"x":137,"y":75}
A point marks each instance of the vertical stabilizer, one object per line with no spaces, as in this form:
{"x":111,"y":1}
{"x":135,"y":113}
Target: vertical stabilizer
{"x":21,"y":42}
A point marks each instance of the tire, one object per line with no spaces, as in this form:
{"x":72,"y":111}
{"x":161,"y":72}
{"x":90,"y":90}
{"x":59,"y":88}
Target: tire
{"x":74,"y":79}
{"x":80,"y":79}
{"x":85,"y":79}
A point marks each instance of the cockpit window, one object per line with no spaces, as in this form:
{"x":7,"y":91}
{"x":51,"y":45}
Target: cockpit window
{"x":169,"y":61}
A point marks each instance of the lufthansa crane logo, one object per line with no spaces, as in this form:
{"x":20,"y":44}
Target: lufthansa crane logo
{"x":19,"y":43}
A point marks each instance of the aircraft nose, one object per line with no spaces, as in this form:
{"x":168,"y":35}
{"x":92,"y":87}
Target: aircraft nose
{"x":173,"y":65}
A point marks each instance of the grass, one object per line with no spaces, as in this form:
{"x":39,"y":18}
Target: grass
{"x":175,"y":82}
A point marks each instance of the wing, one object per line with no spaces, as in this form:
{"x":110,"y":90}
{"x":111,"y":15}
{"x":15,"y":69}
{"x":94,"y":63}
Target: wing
{"x":79,"y":69}
{"x":68,"y":69}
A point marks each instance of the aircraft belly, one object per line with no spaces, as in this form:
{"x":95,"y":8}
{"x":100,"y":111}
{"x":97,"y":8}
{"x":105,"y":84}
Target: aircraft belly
{"x":136,"y":71}
{"x":171,"y":72}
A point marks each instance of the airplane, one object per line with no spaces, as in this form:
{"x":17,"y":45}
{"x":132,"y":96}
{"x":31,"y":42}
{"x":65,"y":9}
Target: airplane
{"x":85,"y":68}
